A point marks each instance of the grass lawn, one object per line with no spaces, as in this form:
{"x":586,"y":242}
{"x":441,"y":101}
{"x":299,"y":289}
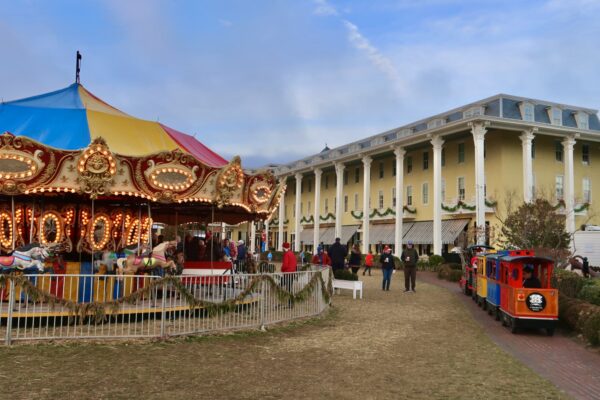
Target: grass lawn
{"x":390,"y":345}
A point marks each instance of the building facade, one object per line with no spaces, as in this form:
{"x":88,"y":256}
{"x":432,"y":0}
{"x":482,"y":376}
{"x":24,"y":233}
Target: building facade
{"x":445,"y":180}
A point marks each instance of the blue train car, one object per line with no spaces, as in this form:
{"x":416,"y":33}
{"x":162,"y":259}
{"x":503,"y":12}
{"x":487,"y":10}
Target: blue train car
{"x":492,"y":270}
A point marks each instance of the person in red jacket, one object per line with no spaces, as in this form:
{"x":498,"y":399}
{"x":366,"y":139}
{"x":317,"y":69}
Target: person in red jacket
{"x":288,"y":267}
{"x":322,"y":258}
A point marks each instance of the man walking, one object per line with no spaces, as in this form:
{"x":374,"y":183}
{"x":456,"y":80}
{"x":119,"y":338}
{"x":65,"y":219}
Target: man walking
{"x":410,"y":257}
{"x":338,"y":254}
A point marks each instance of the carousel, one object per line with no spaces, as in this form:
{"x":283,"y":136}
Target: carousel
{"x":80,"y":178}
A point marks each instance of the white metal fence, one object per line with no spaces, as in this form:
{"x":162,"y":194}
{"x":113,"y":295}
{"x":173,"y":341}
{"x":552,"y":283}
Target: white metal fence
{"x":47,"y":307}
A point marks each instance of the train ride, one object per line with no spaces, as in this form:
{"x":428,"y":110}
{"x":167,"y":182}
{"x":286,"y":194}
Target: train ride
{"x":514,"y":286}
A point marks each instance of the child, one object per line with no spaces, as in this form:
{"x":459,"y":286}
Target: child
{"x":368,"y":262}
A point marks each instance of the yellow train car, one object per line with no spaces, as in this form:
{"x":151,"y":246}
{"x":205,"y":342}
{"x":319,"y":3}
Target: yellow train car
{"x":482,"y":279}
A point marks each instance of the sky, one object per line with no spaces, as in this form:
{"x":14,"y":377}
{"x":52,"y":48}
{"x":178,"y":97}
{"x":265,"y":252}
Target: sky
{"x":274,"y":81}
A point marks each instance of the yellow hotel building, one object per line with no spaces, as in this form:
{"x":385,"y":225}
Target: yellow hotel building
{"x":444,"y":180}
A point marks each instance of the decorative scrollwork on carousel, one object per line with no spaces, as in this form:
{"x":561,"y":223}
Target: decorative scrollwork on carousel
{"x":96,"y":232}
{"x":55,"y":228}
{"x":20,"y":162}
{"x":97,"y":168}
{"x":170,"y":179}
{"x":229,"y":181}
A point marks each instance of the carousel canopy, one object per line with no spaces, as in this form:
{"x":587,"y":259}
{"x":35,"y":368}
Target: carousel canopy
{"x":70,"y":118}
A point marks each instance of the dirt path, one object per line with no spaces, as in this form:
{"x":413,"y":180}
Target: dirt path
{"x":389,"y":345}
{"x":560,"y":359}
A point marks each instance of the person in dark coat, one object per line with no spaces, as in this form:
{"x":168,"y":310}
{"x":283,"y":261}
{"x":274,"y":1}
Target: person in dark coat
{"x":355,"y":259}
{"x":387,"y":267}
{"x":338,"y":254}
{"x":410,"y":257}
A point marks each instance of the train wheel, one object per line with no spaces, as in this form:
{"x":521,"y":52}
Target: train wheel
{"x":550,"y":331}
{"x":513,"y":325}
{"x":497,"y":315}
{"x":503,"y":319}
{"x":484,"y":305}
{"x":489,"y":310}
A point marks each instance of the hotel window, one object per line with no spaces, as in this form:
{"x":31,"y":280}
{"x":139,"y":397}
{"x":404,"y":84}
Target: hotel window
{"x":294,"y":212}
{"x":558,"y":187}
{"x":326,"y":205}
{"x":309,"y":186}
{"x":393,"y":197}
{"x":326,"y":181}
{"x":285,"y":211}
{"x":409,"y":195}
{"x":461,"y":153}
{"x":345,"y":203}
{"x":335,"y":204}
{"x":301,"y":208}
{"x":345,"y":178}
{"x":302,"y":187}
{"x":425,"y":193}
{"x":408,"y":165}
{"x":528,"y":112}
{"x":556,"y":116}
{"x":587,"y":192}
{"x":426,"y":160}
{"x":394,"y":168}
{"x":369,"y":202}
{"x":381,"y":199}
{"x":582,"y":120}
{"x":443,"y":189}
{"x":443,"y":157}
{"x":381,"y":167}
{"x":356,"y":201}
{"x":461,"y":188}
{"x":356,"y":175}
{"x":308,"y":208}
{"x":558,"y":150}
{"x":533,"y":148}
{"x":585,"y":154}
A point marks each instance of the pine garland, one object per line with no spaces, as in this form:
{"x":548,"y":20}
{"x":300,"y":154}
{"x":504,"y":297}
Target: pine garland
{"x":98,"y":310}
{"x":376,"y":212}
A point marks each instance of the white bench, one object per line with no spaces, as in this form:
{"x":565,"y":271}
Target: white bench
{"x":355,"y":286}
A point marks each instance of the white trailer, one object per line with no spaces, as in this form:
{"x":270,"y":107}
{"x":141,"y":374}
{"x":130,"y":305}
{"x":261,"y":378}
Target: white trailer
{"x":587,"y":244}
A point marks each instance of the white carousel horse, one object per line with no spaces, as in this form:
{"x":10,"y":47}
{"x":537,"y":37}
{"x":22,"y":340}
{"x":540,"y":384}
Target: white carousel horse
{"x":132,"y":264}
{"x":25,"y":261}
{"x":107,"y":263}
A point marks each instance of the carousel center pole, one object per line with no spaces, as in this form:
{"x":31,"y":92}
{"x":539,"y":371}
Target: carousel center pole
{"x":12,"y":225}
{"x":31,"y":221}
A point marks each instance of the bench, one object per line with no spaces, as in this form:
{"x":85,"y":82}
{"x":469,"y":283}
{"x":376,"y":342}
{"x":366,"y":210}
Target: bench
{"x":355,"y":286}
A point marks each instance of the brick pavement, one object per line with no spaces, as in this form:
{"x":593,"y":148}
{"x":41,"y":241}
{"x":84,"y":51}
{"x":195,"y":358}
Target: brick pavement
{"x":560,"y":359}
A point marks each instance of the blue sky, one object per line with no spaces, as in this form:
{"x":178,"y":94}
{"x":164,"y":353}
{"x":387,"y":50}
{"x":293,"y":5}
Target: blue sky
{"x":273,"y":81}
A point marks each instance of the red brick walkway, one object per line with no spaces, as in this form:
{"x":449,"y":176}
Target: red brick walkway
{"x":560,"y":359}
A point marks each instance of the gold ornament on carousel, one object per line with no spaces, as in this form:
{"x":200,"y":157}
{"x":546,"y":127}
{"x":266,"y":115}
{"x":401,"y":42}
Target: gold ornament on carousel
{"x":97,"y":168}
{"x":229,"y":181}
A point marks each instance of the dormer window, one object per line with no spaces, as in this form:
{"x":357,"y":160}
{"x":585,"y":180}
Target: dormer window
{"x":526,"y":109}
{"x":436,"y":123}
{"x":474,"y":111}
{"x":582,"y":119}
{"x":555,"y":115}
{"x":376,"y":141}
{"x":404,"y":133}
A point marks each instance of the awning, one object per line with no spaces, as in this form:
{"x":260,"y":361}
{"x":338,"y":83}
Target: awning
{"x":306,"y":235}
{"x":422,"y":232}
{"x":386,"y":233}
{"x":327,"y":235}
{"x":452,"y":228}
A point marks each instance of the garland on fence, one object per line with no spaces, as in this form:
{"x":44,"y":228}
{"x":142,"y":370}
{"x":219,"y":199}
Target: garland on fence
{"x":376,"y":212}
{"x":98,"y":310}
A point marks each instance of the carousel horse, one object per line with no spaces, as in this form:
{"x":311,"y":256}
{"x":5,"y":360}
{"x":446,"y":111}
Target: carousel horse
{"x":29,"y":262}
{"x":132,"y":264}
{"x":107,"y":264}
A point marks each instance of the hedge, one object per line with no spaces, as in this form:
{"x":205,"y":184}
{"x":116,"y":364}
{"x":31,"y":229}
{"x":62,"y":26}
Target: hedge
{"x":580,"y":316}
{"x":450,"y":273}
{"x":344,"y":274}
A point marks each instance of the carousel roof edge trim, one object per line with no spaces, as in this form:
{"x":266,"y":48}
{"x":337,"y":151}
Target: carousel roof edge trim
{"x":28,"y":167}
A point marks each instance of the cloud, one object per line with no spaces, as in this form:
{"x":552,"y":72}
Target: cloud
{"x":323,"y":8}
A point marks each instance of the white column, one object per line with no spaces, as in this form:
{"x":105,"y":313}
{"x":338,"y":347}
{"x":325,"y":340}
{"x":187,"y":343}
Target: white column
{"x":297,"y":218}
{"x":478,"y":130}
{"x":569,"y":189}
{"x":339,"y":193}
{"x":366,"y":195}
{"x":437,"y":143}
{"x":526,"y":139}
{"x":281,"y":218}
{"x":266,"y":235}
{"x":317,"y":214}
{"x":252,"y":237}
{"x":399,"y":152}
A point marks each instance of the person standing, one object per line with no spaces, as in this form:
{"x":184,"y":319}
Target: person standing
{"x":387,"y":266}
{"x":410,"y":257}
{"x":355,"y":259}
{"x":338,"y":254}
{"x":241,"y":256}
{"x":288,"y":267}
{"x":368,"y":262}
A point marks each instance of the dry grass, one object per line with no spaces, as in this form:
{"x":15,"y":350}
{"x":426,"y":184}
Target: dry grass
{"x":389,"y":345}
